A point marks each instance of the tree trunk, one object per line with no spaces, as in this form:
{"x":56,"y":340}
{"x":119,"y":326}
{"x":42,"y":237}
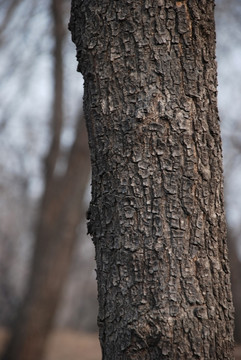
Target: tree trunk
{"x":156,"y":215}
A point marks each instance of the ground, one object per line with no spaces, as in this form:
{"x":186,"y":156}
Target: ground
{"x":67,"y":345}
{"x":73,"y":345}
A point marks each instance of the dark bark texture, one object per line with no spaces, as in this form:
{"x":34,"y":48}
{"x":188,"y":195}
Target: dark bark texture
{"x":156,"y":215}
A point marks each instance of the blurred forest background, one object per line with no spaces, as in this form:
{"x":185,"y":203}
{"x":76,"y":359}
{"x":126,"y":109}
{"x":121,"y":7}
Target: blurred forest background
{"x":45,"y":171}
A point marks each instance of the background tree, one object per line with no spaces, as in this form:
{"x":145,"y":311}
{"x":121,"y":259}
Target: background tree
{"x":60,"y":215}
{"x":156,"y":215}
{"x":27,"y":97}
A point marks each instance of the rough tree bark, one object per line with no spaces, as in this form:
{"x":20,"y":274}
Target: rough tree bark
{"x":156,"y":215}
